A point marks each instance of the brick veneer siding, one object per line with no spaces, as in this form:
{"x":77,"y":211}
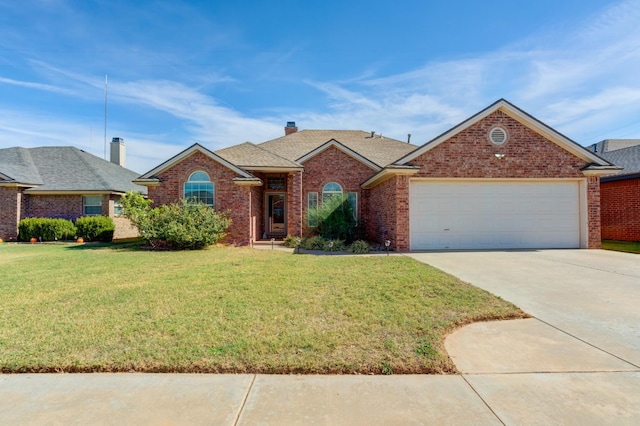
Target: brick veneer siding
{"x":57,"y":206}
{"x":387,"y":206}
{"x":527,"y":154}
{"x":228,"y":195}
{"x":10,"y":206}
{"x":332,"y":165}
{"x":620,"y":204}
{"x":294,"y":203}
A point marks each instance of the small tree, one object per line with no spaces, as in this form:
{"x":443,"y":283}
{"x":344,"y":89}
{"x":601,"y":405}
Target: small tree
{"x":335,"y":218}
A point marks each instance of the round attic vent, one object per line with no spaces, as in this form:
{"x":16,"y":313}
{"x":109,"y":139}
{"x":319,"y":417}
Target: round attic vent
{"x":498,"y":135}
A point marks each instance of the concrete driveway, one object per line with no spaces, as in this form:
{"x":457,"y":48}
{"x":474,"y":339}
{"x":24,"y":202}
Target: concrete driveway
{"x":578,"y":359}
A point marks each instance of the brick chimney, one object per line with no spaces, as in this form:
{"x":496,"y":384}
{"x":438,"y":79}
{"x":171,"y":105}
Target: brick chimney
{"x":118,"y":152}
{"x":291,"y":128}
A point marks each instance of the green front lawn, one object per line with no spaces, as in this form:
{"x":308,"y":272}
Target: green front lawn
{"x":80,"y":308}
{"x":626,"y":246}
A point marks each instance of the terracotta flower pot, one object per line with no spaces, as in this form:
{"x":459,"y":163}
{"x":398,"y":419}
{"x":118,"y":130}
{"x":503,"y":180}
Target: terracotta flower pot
{"x":33,"y":240}
{"x":80,"y":240}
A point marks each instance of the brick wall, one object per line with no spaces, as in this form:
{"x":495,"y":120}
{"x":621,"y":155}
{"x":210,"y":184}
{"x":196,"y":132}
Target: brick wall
{"x":332,"y":165}
{"x":381,"y":214}
{"x":621,"y":209}
{"x":228,"y":195}
{"x":470,"y":154}
{"x":10,"y":205}
{"x":57,"y":206}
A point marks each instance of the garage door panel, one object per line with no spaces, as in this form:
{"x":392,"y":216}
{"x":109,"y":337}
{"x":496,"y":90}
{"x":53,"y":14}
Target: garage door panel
{"x":485,"y":215}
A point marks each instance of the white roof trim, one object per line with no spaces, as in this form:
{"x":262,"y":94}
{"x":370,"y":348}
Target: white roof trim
{"x":388,"y":173}
{"x":186,"y":153}
{"x":341,"y":147}
{"x":520,"y":116}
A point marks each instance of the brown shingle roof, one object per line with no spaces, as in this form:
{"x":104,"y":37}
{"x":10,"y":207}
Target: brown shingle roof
{"x":248,"y":156}
{"x":378,"y":149}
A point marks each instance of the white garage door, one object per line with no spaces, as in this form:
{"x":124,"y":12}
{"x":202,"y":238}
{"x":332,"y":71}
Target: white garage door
{"x":494,"y":215}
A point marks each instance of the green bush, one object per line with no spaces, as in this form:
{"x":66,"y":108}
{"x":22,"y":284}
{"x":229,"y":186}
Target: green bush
{"x":95,"y":228}
{"x":46,"y":229}
{"x":179,"y":226}
{"x":313,"y":243}
{"x":338,"y":245}
{"x":291,"y":241}
{"x":359,"y":247}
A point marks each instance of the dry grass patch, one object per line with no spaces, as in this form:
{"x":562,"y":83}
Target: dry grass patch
{"x":103,"y":308}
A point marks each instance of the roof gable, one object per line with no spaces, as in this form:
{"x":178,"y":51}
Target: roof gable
{"x":334,"y":143}
{"x":252,"y":157}
{"x":376,"y":149}
{"x":188,"y":152}
{"x":520,"y":116}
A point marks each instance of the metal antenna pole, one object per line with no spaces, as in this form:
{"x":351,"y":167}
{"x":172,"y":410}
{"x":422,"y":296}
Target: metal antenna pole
{"x":105,"y":115}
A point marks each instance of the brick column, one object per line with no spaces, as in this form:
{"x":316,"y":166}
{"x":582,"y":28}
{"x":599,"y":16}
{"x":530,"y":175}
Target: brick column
{"x":10,"y":203}
{"x":593,"y":212}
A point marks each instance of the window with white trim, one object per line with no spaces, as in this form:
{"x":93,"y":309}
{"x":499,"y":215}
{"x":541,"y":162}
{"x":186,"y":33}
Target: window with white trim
{"x":330,"y":190}
{"x":199,"y":188}
{"x":118,"y":210}
{"x":312,"y":205}
{"x":92,"y":205}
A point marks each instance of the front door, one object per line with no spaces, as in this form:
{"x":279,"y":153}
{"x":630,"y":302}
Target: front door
{"x":276,"y":214}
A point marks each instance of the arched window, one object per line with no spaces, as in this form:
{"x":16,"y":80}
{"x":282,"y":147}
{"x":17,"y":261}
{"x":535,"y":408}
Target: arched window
{"x":330,"y":190}
{"x":199,"y":188}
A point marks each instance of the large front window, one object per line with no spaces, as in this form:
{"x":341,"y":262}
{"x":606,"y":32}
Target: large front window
{"x":333,"y":189}
{"x":199,"y":188}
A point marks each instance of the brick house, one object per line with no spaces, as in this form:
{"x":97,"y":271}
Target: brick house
{"x":500,"y":179}
{"x":620,"y":193}
{"x":63,"y":182}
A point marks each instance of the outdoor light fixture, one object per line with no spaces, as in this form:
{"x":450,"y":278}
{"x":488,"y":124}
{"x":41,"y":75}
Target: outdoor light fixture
{"x":330,"y":246}
{"x":387,"y":243}
{"x":272,"y":241}
{"x":499,"y":156}
{"x":298,"y":242}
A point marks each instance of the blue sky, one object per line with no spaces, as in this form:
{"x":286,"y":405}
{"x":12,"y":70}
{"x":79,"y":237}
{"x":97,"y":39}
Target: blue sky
{"x":224,"y":72}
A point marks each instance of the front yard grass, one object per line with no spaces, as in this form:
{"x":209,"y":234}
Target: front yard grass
{"x":626,"y":246}
{"x":87,"y":308}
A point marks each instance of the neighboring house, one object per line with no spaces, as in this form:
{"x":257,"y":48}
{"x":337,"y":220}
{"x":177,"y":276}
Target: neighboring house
{"x":63,"y":182}
{"x":500,"y":179}
{"x":620,"y":193}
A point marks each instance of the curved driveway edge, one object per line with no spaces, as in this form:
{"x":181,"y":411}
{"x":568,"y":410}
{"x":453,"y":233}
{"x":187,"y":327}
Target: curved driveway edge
{"x":578,"y":360}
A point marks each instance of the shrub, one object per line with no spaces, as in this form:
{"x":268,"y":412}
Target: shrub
{"x":291,"y":241}
{"x":338,"y":245}
{"x":359,"y":247}
{"x":313,"y":243}
{"x":178,"y":226}
{"x":336,"y":219}
{"x":46,"y":229}
{"x":95,"y":228}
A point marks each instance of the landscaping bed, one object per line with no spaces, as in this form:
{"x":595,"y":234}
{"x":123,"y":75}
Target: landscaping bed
{"x":104,"y":307}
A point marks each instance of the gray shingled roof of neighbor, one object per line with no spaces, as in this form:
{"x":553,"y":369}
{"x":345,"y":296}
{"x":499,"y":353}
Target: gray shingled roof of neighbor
{"x":17,"y":166}
{"x":629,"y":158}
{"x":609,"y":145}
{"x":248,"y":155}
{"x":378,"y":149}
{"x":66,"y":168}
